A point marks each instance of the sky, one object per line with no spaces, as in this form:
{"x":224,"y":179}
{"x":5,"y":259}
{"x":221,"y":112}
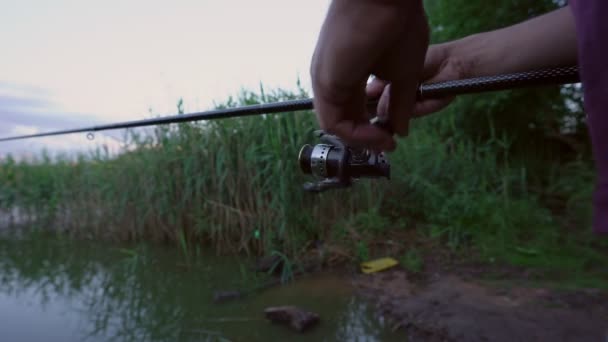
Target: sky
{"x":66,"y":64}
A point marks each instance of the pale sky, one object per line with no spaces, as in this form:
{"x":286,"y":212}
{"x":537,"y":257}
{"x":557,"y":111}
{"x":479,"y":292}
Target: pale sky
{"x":67,"y":64}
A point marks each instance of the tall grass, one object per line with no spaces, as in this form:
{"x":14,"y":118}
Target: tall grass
{"x":234,"y":186}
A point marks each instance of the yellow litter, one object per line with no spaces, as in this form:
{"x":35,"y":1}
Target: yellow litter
{"x":378,"y":265}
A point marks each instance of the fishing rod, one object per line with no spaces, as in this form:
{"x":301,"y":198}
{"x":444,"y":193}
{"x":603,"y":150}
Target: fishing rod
{"x":336,"y":163}
{"x":559,"y":75}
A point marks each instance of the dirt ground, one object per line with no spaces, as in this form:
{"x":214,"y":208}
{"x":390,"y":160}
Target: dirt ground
{"x":457,"y":306}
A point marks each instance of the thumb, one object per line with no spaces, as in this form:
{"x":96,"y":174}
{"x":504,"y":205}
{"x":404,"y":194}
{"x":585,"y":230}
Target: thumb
{"x":446,"y":70}
{"x":426,"y":107}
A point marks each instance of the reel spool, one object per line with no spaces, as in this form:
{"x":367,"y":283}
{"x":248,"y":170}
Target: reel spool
{"x":338,"y":165}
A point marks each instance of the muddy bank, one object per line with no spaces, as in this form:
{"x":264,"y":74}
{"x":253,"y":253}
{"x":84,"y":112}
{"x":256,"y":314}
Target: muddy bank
{"x":448,"y":308}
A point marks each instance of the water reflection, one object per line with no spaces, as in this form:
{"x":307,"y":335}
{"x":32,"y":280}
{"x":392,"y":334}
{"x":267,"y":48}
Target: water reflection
{"x":52,"y":289}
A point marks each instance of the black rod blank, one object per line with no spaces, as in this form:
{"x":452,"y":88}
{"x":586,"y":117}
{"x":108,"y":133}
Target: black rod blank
{"x":541,"y":77}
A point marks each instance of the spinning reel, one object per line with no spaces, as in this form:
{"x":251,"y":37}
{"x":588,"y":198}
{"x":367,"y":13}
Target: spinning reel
{"x":339,"y":165}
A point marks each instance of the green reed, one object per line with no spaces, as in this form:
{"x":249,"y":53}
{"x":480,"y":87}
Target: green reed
{"x":234,"y":186}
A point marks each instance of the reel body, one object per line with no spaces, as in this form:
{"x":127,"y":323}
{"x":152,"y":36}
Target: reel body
{"x":338,"y":165}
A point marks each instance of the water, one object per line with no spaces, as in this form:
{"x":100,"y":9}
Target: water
{"x":53,"y":289}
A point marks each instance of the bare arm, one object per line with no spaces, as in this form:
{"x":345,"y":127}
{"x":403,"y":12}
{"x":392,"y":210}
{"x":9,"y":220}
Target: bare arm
{"x":545,"y":41}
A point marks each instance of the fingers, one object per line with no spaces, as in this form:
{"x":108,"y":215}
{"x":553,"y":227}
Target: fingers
{"x":374,"y":89}
{"x":393,"y":104}
{"x":348,"y":120}
{"x":375,"y":97}
{"x":430,"y":106}
{"x":403,"y":68}
{"x":438,"y":67}
{"x":381,"y":91}
{"x":396,"y":101}
{"x":401,"y":100}
{"x":365,"y":134}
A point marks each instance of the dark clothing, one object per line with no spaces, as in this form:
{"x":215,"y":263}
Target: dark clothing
{"x":591,"y":17}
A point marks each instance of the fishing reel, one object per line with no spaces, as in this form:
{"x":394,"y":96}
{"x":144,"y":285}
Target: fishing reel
{"x":338,"y":165}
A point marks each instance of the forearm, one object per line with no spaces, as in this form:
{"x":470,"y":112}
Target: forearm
{"x":545,"y":41}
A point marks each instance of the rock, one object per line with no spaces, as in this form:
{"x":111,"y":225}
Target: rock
{"x":296,"y":318}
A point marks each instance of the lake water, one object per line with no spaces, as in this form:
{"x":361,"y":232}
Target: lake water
{"x":54,"y":289}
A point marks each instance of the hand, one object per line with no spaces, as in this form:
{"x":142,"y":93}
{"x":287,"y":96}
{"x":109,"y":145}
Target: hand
{"x":359,"y":38}
{"x":440,"y":65}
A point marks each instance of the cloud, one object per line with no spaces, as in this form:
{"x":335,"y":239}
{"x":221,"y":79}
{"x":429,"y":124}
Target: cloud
{"x":31,"y":109}
{"x":43,"y":120}
{"x":27,"y":110}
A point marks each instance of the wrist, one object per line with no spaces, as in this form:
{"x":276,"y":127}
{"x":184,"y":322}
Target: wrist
{"x":472,"y":56}
{"x":453,"y":56}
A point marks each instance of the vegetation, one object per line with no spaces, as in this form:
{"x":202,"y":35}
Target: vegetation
{"x":233,"y":185}
{"x":506,"y":176}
